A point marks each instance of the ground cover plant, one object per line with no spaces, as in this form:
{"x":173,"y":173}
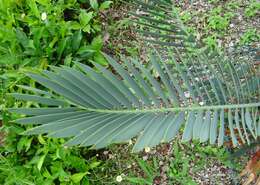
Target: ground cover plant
{"x":50,"y":31}
{"x":227,"y":99}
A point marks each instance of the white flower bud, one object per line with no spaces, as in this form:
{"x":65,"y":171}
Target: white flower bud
{"x":119,"y":178}
{"x":23,"y":15}
{"x":44,"y":16}
{"x":147,"y":149}
{"x":201,"y":103}
{"x":187,"y":94}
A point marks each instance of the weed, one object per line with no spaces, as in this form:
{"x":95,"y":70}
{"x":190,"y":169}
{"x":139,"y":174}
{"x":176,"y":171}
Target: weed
{"x":184,"y":154}
{"x":249,"y":36}
{"x":233,"y":5}
{"x":218,"y":21}
{"x":252,"y":9}
{"x":150,"y":172}
{"x":179,"y":168}
{"x":211,"y":42}
{"x":213,"y":1}
{"x":186,"y":16}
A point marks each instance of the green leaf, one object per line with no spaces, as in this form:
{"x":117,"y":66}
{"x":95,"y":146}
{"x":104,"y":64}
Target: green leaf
{"x":77,"y":177}
{"x":85,"y":17}
{"x":33,"y":7}
{"x":40,"y":162}
{"x":22,"y":143}
{"x":138,"y":180}
{"x":94,"y":4}
{"x":120,"y":113}
{"x":41,"y":140}
{"x":94,"y":164}
{"x":39,"y":99}
{"x":76,"y":40}
{"x":105,"y":5}
{"x":97,"y":43}
{"x":99,"y":58}
{"x":62,"y":46}
{"x":146,"y":168}
{"x":22,"y":38}
{"x":87,"y":28}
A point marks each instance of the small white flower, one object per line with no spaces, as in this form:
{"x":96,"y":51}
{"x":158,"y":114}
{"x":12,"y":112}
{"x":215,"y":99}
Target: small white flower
{"x":147,"y":149}
{"x":23,"y":15}
{"x":201,"y":103}
{"x":187,"y":94}
{"x":145,"y":157}
{"x":119,"y":178}
{"x":219,"y":43}
{"x":231,"y":44}
{"x":110,"y":156}
{"x":130,"y":142}
{"x":44,"y":16}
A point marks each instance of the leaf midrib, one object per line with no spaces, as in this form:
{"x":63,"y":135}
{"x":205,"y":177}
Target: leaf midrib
{"x":178,"y":109}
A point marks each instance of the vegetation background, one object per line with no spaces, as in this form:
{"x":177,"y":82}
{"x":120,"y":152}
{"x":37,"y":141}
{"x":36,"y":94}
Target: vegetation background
{"x":38,"y":33}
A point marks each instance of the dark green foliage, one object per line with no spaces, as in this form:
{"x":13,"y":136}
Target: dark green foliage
{"x":39,"y":32}
{"x":37,"y":160}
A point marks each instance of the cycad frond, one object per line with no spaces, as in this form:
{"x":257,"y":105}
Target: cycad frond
{"x":160,"y":25}
{"x":212,"y":100}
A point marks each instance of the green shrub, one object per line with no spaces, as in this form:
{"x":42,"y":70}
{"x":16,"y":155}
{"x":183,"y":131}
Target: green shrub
{"x":37,"y":160}
{"x":52,"y":31}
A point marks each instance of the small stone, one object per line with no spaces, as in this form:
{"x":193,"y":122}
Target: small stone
{"x":165,"y":168}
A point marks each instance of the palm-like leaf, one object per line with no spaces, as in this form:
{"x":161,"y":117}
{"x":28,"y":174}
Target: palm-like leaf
{"x":213,"y":98}
{"x":100,"y":108}
{"x":160,"y":25}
